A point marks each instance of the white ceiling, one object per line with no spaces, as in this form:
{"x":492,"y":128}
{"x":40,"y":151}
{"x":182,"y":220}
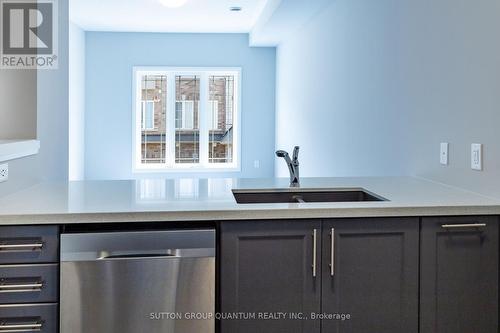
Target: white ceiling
{"x":151,"y":16}
{"x":282,"y":18}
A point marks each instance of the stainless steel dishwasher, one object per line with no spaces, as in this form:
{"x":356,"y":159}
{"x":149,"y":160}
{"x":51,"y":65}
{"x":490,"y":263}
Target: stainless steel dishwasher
{"x":131,"y":282}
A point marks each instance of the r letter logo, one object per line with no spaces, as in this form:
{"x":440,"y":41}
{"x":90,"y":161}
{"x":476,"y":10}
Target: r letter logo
{"x":28,"y":34}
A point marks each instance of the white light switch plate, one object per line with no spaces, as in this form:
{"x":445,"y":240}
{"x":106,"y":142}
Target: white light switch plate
{"x":476,"y":156}
{"x":443,"y":157}
{"x":4,"y":172}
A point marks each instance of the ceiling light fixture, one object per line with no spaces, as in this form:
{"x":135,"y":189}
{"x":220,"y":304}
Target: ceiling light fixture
{"x":173,"y":3}
{"x":235,"y":9}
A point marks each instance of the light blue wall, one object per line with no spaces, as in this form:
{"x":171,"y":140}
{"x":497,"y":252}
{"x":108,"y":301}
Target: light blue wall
{"x":372,"y":88}
{"x":52,"y":109}
{"x":338,"y":93}
{"x":110,"y":58}
{"x":76,"y":103}
{"x":450,"y":57}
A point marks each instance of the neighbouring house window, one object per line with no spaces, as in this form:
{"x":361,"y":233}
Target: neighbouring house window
{"x":213,"y":109}
{"x":184,"y":115}
{"x":186,"y":119}
{"x":148,"y":115}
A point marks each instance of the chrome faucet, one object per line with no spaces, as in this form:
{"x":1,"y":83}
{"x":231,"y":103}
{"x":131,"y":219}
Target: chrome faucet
{"x":293,"y":165}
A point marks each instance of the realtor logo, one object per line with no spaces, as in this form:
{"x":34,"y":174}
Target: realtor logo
{"x":28,"y":34}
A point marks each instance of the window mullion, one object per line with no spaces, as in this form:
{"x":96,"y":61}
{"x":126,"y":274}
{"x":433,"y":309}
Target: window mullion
{"x":170,"y":137}
{"x":138,"y":120}
{"x":204,"y":126}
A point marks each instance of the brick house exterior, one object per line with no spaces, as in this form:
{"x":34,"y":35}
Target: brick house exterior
{"x":221,"y":88}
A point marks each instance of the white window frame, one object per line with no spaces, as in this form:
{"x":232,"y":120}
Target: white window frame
{"x":143,"y":115}
{"x":204,"y":127}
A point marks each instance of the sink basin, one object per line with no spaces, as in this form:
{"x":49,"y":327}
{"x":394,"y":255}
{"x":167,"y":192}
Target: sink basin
{"x":297,"y":195}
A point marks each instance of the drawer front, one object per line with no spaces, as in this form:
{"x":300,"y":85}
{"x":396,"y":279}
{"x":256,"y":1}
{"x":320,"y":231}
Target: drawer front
{"x":29,"y":244}
{"x":40,"y":318}
{"x":29,"y":283}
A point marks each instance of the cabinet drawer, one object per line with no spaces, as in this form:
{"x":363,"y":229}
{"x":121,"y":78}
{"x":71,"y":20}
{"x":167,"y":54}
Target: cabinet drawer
{"x":29,"y":283}
{"x":29,"y":318}
{"x":29,"y":244}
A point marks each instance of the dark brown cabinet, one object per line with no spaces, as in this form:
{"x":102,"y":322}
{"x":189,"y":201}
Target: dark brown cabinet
{"x":36,"y":283}
{"x":269,"y":267}
{"x":29,"y":244}
{"x":29,"y":279}
{"x":390,"y":275}
{"x":41,"y":318}
{"x":370,"y":272}
{"x":285,"y":266}
{"x":459,"y":275}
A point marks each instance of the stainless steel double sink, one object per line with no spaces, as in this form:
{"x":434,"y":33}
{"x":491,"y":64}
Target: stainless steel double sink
{"x":298,"y":195}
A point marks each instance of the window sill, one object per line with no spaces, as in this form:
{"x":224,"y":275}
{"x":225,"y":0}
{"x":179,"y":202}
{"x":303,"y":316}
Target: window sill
{"x":13,"y":149}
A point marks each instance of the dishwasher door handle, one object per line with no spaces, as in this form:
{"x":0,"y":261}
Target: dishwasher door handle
{"x":137,"y":256}
{"x":167,"y":244}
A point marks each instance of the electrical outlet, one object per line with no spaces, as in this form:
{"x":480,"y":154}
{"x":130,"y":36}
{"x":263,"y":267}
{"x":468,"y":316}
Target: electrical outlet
{"x":443,"y":157}
{"x":256,"y":164}
{"x":4,"y":172}
{"x":476,"y":156}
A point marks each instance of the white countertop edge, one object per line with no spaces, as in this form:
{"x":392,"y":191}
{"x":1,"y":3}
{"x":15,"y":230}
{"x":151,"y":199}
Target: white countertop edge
{"x":257,"y":214}
{"x":212,"y":200}
{"x":13,"y":149}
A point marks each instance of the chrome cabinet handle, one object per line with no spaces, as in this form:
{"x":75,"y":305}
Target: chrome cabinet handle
{"x":465,"y":225}
{"x":19,"y":247}
{"x":19,"y":288}
{"x":315,"y":236}
{"x":5,"y":327}
{"x":332,"y":252}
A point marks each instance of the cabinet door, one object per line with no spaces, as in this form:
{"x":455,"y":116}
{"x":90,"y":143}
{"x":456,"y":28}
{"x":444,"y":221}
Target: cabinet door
{"x":459,"y":275}
{"x":268,"y":267}
{"x":373,"y":276}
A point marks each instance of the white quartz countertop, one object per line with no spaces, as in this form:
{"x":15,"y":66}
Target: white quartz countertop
{"x":212,"y":199}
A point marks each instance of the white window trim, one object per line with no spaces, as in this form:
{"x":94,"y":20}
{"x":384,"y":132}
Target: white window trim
{"x":143,"y":115}
{"x":170,"y":165}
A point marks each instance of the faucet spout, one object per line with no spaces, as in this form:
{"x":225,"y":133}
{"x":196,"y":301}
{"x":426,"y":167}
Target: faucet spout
{"x":296,"y":154}
{"x":293,"y":165}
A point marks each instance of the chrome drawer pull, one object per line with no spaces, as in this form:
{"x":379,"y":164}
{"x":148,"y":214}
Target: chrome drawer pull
{"x":332,"y":252}
{"x":12,"y":328}
{"x":18,"y":288}
{"x":466,"y":225}
{"x":18,"y":247}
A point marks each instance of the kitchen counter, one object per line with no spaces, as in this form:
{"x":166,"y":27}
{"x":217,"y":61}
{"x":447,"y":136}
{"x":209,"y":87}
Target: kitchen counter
{"x":211,"y":199}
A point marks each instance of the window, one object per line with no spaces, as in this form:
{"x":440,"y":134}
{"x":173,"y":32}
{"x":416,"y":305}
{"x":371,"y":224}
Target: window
{"x":148,"y":115}
{"x":184,"y":115}
{"x":186,"y":119}
{"x":151,"y":119}
{"x":213,"y":109}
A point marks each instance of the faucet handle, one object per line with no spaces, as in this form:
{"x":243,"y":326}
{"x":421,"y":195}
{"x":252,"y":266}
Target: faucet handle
{"x":296,"y":153}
